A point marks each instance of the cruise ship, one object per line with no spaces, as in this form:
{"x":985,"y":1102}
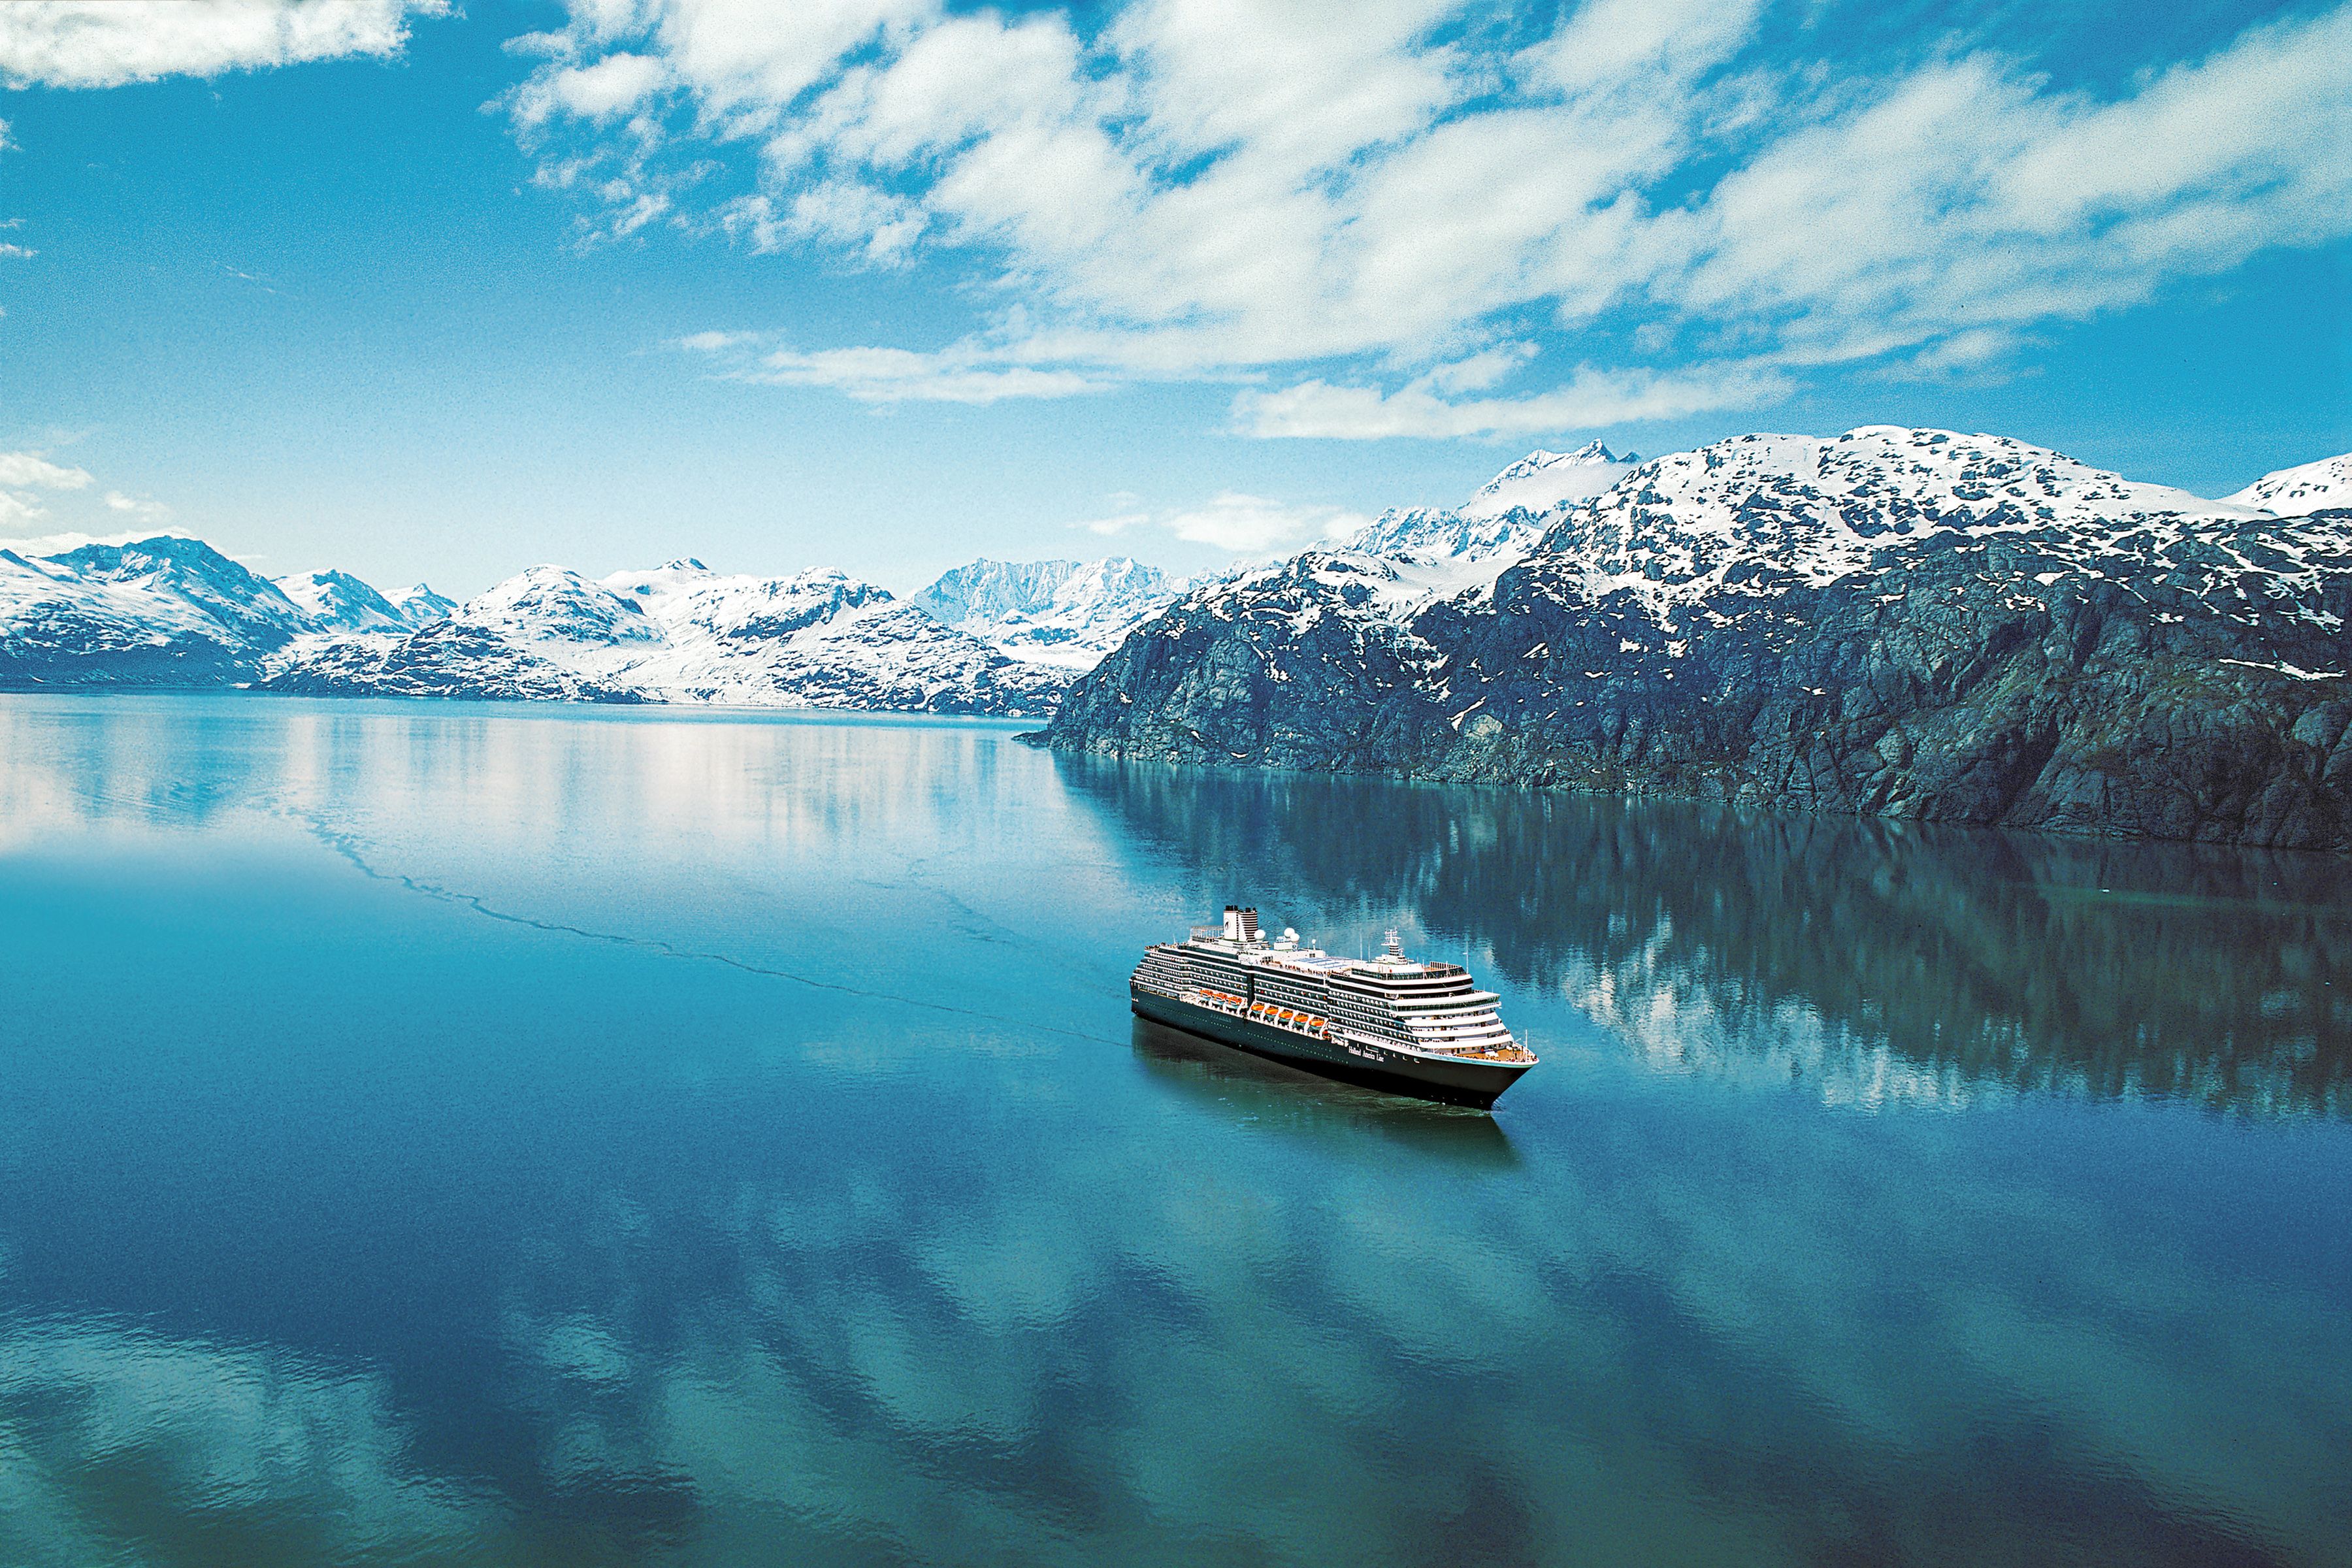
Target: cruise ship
{"x":1423,"y":1029}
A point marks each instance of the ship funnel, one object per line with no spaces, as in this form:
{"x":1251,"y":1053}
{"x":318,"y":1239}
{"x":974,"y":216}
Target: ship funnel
{"x":1249,"y":925}
{"x":1233,"y":923}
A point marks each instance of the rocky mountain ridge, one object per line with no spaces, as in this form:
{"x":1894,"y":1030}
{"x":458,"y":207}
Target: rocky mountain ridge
{"x":339,"y":602}
{"x":1065,"y":614}
{"x":681,"y":633}
{"x":172,"y":611}
{"x":1909,"y":622}
{"x":165,"y":611}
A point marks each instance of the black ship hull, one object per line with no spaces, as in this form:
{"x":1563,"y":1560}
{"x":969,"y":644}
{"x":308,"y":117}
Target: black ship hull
{"x":1455,"y":1082}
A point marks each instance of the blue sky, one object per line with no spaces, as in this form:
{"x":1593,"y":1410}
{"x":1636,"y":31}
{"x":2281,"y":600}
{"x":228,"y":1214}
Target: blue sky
{"x":885,"y":284}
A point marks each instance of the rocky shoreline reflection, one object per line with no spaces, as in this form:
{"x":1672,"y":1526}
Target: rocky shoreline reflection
{"x":1881,"y":960}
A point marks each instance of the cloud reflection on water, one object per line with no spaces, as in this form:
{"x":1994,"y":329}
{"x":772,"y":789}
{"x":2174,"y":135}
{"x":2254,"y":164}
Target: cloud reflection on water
{"x":779,"y":1273}
{"x":1336,"y":1348}
{"x":119,"y":1444}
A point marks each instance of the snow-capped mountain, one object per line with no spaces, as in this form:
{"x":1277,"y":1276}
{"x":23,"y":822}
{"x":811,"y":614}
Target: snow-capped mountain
{"x":556,"y":606}
{"x":173,"y":611}
{"x":818,"y":639}
{"x":1065,"y":614}
{"x":1541,"y":480}
{"x":165,"y":611}
{"x":683,"y":633}
{"x":192,"y":574}
{"x":420,"y":605}
{"x":1505,"y":518}
{"x":339,"y":602}
{"x":446,"y":658}
{"x":1908,"y":622}
{"x":2324,"y":485}
{"x":1437,"y":532}
{"x":1748,"y":517}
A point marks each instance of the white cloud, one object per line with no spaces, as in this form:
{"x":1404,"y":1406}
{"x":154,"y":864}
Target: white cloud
{"x":59,"y":541}
{"x":1214,"y":189}
{"x":1591,"y":399}
{"x":1253,"y":525}
{"x":748,"y":58}
{"x":31,"y":468}
{"x":106,"y":43}
{"x":154,"y":510}
{"x":1479,"y":371}
{"x":846,"y":212}
{"x":1239,"y":525}
{"x":1118,"y":523}
{"x":29,"y":472}
{"x":16,"y":252}
{"x":1970,"y":198}
{"x":881,"y":375}
{"x":616,"y":83}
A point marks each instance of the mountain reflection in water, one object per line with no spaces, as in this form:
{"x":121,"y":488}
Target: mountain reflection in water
{"x":1877,"y":960}
{"x":462,"y":1134}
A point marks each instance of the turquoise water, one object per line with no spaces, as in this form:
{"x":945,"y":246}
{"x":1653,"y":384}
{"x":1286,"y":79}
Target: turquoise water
{"x":471,"y":1135}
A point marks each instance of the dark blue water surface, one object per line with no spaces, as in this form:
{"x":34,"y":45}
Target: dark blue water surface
{"x":469,"y":1134}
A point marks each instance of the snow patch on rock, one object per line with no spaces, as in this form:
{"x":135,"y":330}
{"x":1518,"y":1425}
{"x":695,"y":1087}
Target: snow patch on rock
{"x":2322,"y":485}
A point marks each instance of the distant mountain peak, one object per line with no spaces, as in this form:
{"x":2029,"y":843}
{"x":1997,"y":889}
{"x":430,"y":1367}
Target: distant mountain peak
{"x":197,"y":575}
{"x":145,"y":555}
{"x":1065,"y":614}
{"x":1537,"y":461}
{"x":1542,"y":480}
{"x":339,"y":602}
{"x":683,"y":634}
{"x":419,"y":606}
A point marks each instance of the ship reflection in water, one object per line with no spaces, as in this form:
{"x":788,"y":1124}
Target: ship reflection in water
{"x":435,"y":1133}
{"x":1349,"y":1118}
{"x":1873,"y":961}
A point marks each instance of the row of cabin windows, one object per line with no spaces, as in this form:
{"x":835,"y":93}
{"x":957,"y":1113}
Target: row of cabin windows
{"x":1363,"y":1011}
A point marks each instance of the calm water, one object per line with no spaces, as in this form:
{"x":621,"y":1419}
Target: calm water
{"x":452,"y":1134}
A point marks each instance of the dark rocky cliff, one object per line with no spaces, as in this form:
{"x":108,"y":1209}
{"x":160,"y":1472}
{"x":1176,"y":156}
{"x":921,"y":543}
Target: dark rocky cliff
{"x":1933,"y":627}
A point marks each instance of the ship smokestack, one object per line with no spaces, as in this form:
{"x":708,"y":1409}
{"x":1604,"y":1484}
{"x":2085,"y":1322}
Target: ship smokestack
{"x":1249,"y":925}
{"x":1233,"y":923}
